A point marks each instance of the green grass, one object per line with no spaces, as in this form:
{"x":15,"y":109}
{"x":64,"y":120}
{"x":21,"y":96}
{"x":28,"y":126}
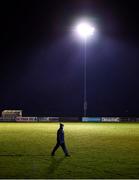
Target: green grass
{"x":99,"y":150}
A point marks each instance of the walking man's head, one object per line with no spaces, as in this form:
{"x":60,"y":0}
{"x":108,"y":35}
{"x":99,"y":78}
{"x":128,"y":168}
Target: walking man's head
{"x":61,"y":125}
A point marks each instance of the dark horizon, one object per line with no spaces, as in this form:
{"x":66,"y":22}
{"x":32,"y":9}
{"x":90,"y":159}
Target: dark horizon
{"x":42,"y":63}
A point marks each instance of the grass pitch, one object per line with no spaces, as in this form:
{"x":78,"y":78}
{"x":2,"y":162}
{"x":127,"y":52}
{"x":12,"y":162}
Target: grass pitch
{"x":99,"y":150}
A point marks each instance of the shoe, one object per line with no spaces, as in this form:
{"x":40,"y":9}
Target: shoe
{"x":67,"y":155}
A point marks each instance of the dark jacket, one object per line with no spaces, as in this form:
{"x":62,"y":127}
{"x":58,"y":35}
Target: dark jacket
{"x":60,"y":136}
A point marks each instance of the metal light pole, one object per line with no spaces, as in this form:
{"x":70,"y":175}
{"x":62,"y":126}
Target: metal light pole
{"x":85,"y":30}
{"x":85,"y":81}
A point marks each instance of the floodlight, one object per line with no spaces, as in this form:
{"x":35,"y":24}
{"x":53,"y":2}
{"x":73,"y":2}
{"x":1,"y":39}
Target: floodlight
{"x":84,"y":30}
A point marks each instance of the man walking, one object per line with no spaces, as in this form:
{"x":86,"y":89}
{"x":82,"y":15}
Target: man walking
{"x":60,"y":141}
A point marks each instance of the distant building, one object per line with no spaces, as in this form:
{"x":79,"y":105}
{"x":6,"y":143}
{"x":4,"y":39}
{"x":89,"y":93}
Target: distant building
{"x":11,"y":114}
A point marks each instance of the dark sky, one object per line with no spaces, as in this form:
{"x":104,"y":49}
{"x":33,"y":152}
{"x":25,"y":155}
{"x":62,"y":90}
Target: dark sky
{"x":42,"y":63}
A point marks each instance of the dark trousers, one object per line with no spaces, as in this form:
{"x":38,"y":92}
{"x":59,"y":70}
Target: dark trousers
{"x":63,"y":147}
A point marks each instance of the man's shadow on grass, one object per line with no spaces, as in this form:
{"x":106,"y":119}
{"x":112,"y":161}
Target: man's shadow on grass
{"x":54,"y":164}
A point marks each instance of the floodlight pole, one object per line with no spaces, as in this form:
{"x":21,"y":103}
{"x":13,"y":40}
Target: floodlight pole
{"x":85,"y":82}
{"x":84,"y":29}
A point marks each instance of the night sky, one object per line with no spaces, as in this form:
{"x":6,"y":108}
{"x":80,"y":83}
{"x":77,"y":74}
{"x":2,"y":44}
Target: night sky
{"x":41,"y":62}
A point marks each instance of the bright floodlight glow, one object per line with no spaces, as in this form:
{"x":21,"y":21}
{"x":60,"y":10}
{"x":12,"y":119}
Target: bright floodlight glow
{"x":84,"y":30}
